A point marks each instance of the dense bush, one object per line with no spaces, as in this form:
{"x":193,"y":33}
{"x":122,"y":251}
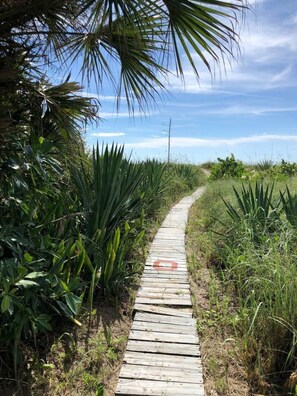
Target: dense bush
{"x":68,"y":232}
{"x":228,"y":167}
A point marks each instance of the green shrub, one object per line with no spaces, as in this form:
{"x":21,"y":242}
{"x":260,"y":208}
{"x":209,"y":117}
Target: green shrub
{"x":287,"y":168}
{"x":228,"y":167}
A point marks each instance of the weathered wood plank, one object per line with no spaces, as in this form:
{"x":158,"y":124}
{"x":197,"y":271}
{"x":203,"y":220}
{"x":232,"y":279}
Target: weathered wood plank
{"x":163,"y":337}
{"x":171,"y":374}
{"x":164,"y":301}
{"x":164,"y":327}
{"x":166,"y":272}
{"x":180,"y":263}
{"x":164,"y":294}
{"x":163,"y":281}
{"x":186,"y":312}
{"x":165,"y":259}
{"x":161,"y":360}
{"x":157,"y":388}
{"x":157,"y":318}
{"x":164,"y":275}
{"x":163,"y":347}
{"x":164,"y":285}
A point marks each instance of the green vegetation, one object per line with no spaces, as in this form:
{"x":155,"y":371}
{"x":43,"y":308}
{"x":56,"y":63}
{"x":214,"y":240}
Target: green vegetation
{"x":68,"y":236}
{"x":72,"y":224}
{"x":228,"y":167}
{"x":246,"y":234}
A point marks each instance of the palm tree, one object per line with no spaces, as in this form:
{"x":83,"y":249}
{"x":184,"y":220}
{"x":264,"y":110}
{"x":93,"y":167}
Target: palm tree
{"x":145,"y":38}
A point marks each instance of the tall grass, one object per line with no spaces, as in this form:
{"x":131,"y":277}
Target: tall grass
{"x":259,"y":267}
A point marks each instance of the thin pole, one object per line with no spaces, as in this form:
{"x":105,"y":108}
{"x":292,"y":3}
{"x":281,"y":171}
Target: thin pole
{"x":169,"y":137}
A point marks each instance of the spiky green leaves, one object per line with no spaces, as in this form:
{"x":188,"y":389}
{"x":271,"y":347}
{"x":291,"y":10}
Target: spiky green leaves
{"x":131,"y":43}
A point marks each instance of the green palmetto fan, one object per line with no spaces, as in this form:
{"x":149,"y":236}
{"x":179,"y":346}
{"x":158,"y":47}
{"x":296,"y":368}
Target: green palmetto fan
{"x":145,"y":39}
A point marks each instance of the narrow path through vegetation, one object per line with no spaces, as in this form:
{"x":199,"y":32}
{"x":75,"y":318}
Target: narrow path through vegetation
{"x":162,"y":355}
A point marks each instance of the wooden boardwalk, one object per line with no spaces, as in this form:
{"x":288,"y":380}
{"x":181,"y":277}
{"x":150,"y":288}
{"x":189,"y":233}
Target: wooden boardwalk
{"x":162,"y":355}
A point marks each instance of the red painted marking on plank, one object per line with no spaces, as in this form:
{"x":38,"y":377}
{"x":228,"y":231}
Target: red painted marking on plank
{"x":158,"y":265}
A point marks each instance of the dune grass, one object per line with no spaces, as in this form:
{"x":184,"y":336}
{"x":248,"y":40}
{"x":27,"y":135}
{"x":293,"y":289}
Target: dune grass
{"x":250,"y":247}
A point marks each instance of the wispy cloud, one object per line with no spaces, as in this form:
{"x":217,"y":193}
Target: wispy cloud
{"x":269,"y":52}
{"x":107,"y":134}
{"x":182,"y":142}
{"x":102,"y":98}
{"x":248,"y":110}
{"x":123,"y":114}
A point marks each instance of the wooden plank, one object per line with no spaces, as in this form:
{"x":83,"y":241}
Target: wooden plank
{"x":163,"y":337}
{"x":157,"y":388}
{"x":163,"y":256}
{"x":168,"y":262}
{"x":179,"y":296}
{"x":163,"y":347}
{"x":168,"y":270}
{"x":177,"y":247}
{"x":160,"y":282}
{"x":164,"y":285}
{"x":163,"y":281}
{"x":162,"y":291}
{"x":171,"y":374}
{"x":162,"y":360}
{"x":169,"y":277}
{"x":168,"y":246}
{"x":162,"y":263}
{"x":173,"y":237}
{"x":169,"y":293}
{"x":168,"y":242}
{"x":164,"y":327}
{"x":164,"y":301}
{"x":163,"y":310}
{"x":157,"y":318}
{"x":163,"y":274}
{"x":149,"y":269}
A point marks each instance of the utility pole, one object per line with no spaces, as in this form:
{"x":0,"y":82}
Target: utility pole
{"x":169,"y":137}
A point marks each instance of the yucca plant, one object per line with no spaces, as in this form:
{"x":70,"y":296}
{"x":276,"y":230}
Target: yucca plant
{"x":264,"y":165}
{"x":154,"y":183}
{"x":111,"y":200}
{"x":289,"y":206}
{"x":187,"y":172}
{"x":110,"y":195}
{"x":255,"y":206}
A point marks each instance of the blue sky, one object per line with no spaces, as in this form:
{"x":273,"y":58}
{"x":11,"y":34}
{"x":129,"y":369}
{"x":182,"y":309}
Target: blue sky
{"x":248,"y":108}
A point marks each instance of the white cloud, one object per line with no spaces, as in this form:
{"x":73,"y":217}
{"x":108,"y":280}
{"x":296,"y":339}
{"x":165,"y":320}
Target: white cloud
{"x":101,"y":98}
{"x":182,"y":142}
{"x":121,"y":114}
{"x":248,"y":110}
{"x":107,"y":134}
{"x":269,"y":53}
